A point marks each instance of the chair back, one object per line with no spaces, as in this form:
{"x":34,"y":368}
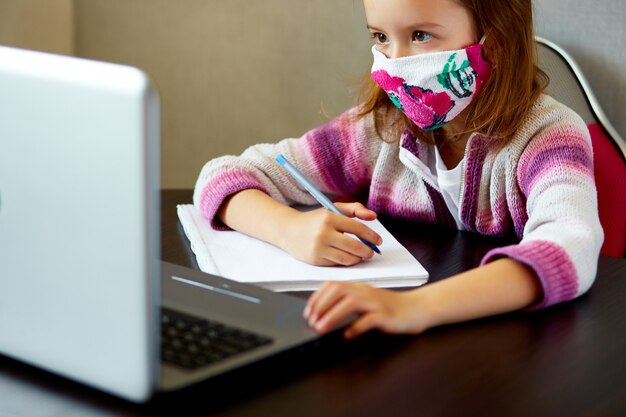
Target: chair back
{"x":569,"y":86}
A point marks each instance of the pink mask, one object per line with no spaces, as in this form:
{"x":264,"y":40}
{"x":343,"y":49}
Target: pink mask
{"x":432,"y":88}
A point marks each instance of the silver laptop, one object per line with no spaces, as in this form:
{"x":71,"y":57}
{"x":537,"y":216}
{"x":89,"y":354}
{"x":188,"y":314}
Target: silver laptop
{"x":82,"y":290}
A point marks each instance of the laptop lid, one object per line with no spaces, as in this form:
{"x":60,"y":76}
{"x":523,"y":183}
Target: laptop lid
{"x":79,"y":219}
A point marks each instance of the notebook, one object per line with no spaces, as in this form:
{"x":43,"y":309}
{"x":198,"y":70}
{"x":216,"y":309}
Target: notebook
{"x":82,"y":290}
{"x":243,"y":258}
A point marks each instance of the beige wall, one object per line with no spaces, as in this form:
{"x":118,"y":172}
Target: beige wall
{"x":45,"y":25}
{"x":231,"y":72}
{"x":593,"y":32}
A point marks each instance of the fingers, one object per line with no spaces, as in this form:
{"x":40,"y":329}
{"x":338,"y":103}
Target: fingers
{"x":363,"y":325}
{"x":338,"y":249}
{"x":378,"y":308}
{"x":348,"y":225}
{"x":356,"y":210}
{"x":334,"y":256}
{"x":334,"y":302}
{"x":348,"y":244}
{"x":325,"y":296}
{"x":336,"y":246}
{"x":323,"y":238}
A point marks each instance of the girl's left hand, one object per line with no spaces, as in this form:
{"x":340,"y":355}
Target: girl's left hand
{"x":385,"y":310}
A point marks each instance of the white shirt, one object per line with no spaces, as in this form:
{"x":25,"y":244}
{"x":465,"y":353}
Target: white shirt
{"x":449,"y":181}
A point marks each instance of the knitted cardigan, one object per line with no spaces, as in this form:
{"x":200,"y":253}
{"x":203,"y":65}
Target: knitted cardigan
{"x":539,"y":188}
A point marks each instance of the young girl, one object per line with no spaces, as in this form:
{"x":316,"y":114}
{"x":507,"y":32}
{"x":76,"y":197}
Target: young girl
{"x":453,"y":128}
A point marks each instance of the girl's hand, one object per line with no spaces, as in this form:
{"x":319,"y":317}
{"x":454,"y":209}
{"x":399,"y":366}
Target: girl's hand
{"x":385,"y":310}
{"x":319,"y":237}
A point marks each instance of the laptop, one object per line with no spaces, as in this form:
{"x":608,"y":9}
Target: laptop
{"x":83,"y":292}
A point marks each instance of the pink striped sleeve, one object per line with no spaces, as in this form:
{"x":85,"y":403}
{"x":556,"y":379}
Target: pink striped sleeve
{"x":550,"y":263}
{"x":220,"y":187}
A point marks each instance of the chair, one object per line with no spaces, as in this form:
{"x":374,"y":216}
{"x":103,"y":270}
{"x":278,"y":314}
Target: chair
{"x":569,"y":86}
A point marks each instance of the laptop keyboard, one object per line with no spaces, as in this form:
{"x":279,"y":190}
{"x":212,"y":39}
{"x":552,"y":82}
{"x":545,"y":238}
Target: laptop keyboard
{"x":192,"y":342}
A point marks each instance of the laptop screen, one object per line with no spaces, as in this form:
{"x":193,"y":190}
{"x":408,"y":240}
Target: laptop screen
{"x":79,"y":219}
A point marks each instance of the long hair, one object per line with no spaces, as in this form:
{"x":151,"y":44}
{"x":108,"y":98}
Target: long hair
{"x":503,"y":102}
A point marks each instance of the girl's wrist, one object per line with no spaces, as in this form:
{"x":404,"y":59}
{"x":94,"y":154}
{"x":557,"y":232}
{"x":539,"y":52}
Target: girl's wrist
{"x":426,"y":311}
{"x":279,"y":233}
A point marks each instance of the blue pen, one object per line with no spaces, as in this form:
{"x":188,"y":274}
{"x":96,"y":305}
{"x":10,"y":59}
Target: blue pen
{"x":317,"y":194}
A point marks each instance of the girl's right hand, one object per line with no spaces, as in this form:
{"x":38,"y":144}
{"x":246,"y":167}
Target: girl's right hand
{"x":319,"y":237}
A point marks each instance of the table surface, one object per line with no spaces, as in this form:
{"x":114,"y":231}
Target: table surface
{"x":565,"y":360}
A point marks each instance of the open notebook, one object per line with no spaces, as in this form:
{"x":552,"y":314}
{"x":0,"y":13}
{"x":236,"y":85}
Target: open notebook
{"x":242,"y":258}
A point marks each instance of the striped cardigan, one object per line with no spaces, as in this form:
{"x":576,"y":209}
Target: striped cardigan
{"x":539,"y":188}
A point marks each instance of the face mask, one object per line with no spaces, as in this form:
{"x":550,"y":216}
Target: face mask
{"x":433,"y":88}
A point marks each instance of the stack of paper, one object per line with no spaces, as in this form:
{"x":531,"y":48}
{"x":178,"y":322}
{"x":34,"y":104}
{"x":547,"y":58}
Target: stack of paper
{"x":242,"y":258}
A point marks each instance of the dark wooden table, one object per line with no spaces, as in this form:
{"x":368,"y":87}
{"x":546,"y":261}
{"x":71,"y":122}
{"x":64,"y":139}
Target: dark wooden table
{"x":567,"y":360}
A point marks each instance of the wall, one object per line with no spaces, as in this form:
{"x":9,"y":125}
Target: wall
{"x":44,"y":25}
{"x":593,"y":32}
{"x":231,"y":72}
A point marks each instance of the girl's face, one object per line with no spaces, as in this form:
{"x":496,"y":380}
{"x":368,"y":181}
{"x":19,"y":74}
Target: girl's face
{"x":410,"y":27}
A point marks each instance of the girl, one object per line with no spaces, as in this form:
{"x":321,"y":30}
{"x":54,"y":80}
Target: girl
{"x":453,"y":128}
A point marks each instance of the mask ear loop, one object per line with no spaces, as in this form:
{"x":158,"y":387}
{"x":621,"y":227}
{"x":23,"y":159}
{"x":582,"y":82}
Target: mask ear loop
{"x":481,"y":42}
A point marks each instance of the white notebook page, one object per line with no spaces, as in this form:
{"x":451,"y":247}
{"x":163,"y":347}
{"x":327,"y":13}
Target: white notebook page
{"x":242,"y":258}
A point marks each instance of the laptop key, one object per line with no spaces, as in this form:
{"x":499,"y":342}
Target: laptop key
{"x":192,"y":342}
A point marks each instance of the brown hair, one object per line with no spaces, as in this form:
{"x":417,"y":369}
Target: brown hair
{"x":500,"y":107}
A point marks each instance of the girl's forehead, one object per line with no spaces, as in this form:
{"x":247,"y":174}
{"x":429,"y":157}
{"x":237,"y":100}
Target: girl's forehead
{"x":415,"y":12}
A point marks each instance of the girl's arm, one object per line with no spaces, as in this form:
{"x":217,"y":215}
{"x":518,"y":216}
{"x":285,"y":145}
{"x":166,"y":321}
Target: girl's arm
{"x":317,"y":237}
{"x":338,"y":157}
{"x":501,"y":286}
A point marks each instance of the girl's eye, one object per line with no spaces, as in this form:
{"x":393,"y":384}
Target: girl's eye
{"x":421,"y":37}
{"x":380,"y":37}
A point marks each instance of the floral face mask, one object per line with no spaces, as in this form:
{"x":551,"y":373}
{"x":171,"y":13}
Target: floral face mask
{"x":433,"y":88}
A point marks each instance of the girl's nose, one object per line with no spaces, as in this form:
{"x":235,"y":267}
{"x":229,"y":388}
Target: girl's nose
{"x":399,"y":51}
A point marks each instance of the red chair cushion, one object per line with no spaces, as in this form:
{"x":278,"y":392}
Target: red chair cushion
{"x":610,"y":175}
